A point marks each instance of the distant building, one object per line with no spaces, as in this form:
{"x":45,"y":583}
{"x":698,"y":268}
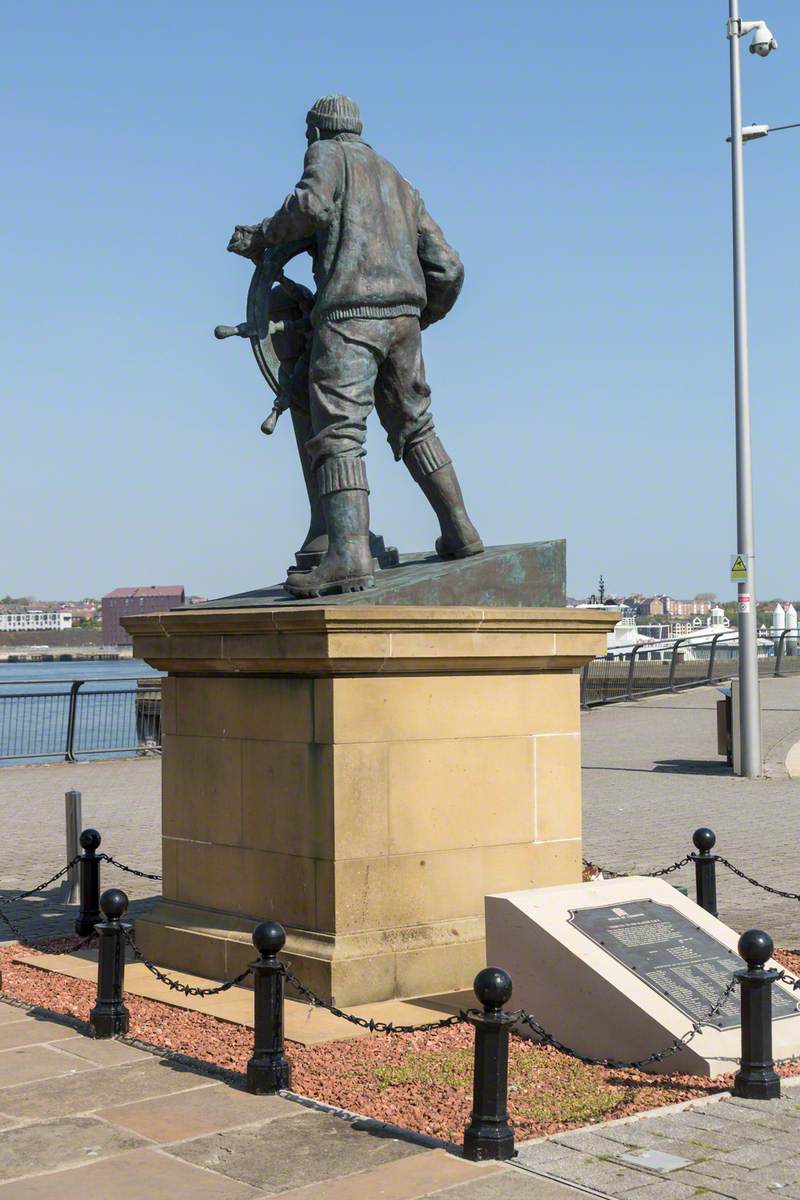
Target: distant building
{"x":687,"y":608}
{"x":34,"y":619}
{"x":666,"y":606}
{"x":652,"y":606}
{"x":132,"y":602}
{"x":82,"y":612}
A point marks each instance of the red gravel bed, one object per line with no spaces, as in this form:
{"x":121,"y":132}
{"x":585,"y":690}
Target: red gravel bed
{"x":421,"y":1081}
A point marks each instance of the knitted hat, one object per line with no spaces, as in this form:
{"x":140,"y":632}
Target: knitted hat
{"x":339,"y":114}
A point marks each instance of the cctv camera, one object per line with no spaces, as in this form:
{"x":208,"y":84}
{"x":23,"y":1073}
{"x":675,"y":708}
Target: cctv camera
{"x":763,"y":41}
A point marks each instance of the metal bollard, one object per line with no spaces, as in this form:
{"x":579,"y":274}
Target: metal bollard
{"x":110,"y":1017}
{"x":268,"y":1070}
{"x":89,"y":872}
{"x":72,"y":810}
{"x":757,"y":1078}
{"x":489,"y":1134}
{"x":705,"y":869}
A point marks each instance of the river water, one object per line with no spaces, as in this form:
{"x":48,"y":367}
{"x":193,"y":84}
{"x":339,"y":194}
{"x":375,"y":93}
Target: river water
{"x":35,"y":702}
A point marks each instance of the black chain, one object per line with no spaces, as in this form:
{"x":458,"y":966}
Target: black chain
{"x":15,"y":929}
{"x":131,"y":870}
{"x":592,"y":866}
{"x":39,"y":887}
{"x":764,"y":886}
{"x":365,"y":1022}
{"x":676,"y":866}
{"x":785,"y":977}
{"x":26,"y":941}
{"x":638,"y":1064}
{"x":175,"y":985}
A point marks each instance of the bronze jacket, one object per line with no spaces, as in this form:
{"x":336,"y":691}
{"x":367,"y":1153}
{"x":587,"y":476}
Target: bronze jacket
{"x":378,"y":252}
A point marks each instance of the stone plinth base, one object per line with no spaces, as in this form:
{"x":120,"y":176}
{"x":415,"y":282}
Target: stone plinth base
{"x":366,"y":776}
{"x":530,"y":574}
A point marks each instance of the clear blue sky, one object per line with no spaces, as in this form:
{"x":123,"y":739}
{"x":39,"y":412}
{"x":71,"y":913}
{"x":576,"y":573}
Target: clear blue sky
{"x":583,"y":384}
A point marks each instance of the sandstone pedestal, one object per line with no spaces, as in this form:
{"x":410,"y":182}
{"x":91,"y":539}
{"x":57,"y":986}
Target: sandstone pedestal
{"x":366,"y":776}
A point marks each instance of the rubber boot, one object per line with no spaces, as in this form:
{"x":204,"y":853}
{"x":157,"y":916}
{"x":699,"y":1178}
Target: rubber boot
{"x":347,"y":565}
{"x":431,"y":467}
{"x":315,"y":543}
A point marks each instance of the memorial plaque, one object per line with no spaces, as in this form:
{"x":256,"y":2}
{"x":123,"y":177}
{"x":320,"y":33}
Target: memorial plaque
{"x":622,"y":968}
{"x":673,"y":956}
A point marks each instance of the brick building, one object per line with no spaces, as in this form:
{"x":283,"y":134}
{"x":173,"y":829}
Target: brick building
{"x":132,"y":602}
{"x":666,"y":606}
{"x":688,"y":608}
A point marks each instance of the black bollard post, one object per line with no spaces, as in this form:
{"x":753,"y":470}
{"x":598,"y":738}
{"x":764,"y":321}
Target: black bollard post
{"x":110,"y":1017}
{"x":705,"y":869}
{"x":489,"y":1134}
{"x":268,"y":1070}
{"x":89,"y":883}
{"x":757,"y":1078}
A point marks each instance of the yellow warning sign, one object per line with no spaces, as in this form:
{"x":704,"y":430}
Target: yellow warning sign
{"x":738,"y":569}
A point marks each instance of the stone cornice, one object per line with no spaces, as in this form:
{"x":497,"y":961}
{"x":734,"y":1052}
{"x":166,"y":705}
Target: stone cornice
{"x":403,"y":639}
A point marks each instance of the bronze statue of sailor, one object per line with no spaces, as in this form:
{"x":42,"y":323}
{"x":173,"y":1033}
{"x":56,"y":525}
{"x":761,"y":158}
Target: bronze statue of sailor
{"x":383,"y":272}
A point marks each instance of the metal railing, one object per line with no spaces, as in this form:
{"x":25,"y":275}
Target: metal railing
{"x":79,"y":718}
{"x":684,"y":662}
{"x":787,"y":653}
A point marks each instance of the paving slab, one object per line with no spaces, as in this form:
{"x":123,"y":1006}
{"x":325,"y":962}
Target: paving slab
{"x":66,"y":1142}
{"x":678,"y":1124}
{"x":175,"y":1118}
{"x":588,"y":1141}
{"x":511,"y":1184}
{"x":91,"y":1088}
{"x":611,"y":1178}
{"x":730,"y":1138}
{"x":136,"y":1175}
{"x":307,"y":1148}
{"x":662,"y":1189}
{"x":634,"y":1135}
{"x":789,"y":1102}
{"x":425,"y":1174}
{"x":705,"y":1119}
{"x":104,"y":1052}
{"x":9,"y":1014}
{"x":33,"y":1031}
{"x":722,"y":1172}
{"x":690,"y":1149}
{"x":544,"y":1155}
{"x":29,"y":1063}
{"x":752,"y":1155}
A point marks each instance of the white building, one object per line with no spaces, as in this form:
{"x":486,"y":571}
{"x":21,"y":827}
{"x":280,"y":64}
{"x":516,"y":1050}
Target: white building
{"x":34,"y":619}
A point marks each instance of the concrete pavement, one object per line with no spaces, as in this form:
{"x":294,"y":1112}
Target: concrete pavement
{"x":120,"y":797}
{"x":652,"y":775}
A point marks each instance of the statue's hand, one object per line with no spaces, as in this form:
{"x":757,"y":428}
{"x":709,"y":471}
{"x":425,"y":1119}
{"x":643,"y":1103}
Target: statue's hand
{"x":246,"y":240}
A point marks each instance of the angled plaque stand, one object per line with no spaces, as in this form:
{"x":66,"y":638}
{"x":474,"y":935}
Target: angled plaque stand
{"x":646,"y":963}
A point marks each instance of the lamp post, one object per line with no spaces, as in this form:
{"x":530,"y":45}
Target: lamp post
{"x":749,"y":700}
